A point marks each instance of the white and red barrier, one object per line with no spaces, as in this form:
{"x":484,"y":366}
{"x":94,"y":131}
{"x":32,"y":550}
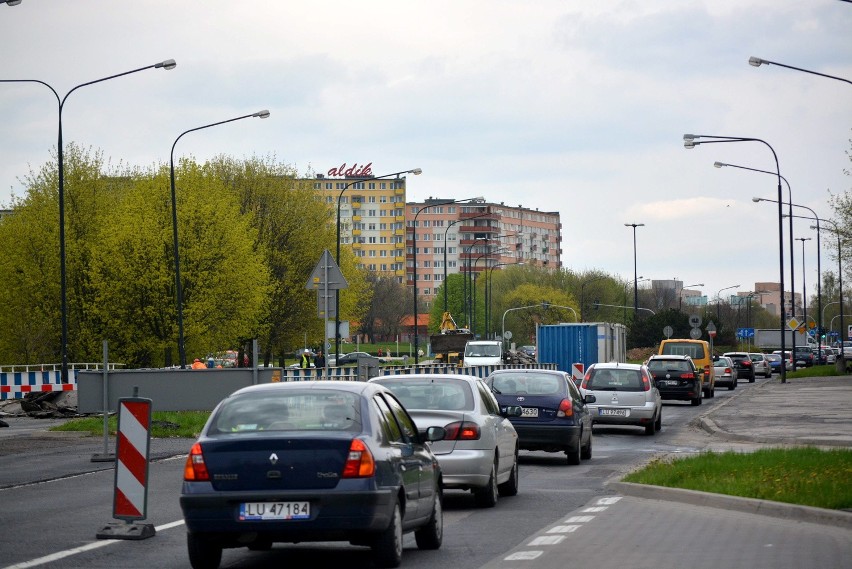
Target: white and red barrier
{"x":578,"y":372}
{"x":17,"y":384}
{"x":132,"y":445}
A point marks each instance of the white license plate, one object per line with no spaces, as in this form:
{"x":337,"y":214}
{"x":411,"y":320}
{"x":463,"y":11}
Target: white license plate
{"x":529,"y":411}
{"x":673,"y":382}
{"x":275,"y":511}
{"x":616,"y":412}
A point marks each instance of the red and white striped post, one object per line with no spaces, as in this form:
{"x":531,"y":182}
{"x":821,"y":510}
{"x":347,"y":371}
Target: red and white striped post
{"x":130,"y":498}
{"x":577,"y":372}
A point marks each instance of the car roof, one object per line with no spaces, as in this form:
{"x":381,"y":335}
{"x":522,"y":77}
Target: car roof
{"x":668,"y":357}
{"x":614,"y":365}
{"x":358,"y":387}
{"x":527,"y":370}
{"x":735,"y":354}
{"x":454,"y":376}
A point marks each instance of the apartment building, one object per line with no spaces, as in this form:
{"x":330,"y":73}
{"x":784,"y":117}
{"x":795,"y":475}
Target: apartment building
{"x":475,"y":237}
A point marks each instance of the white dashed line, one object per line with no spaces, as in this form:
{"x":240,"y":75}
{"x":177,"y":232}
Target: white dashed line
{"x":523,"y":556}
{"x":564,"y":529}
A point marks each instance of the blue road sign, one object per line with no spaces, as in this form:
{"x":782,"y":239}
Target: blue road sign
{"x":745,"y":333}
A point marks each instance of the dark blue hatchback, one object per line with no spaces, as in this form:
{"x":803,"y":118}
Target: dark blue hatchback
{"x":311,"y":461}
{"x":554,"y":414}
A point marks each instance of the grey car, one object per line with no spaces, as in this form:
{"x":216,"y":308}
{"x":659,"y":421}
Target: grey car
{"x":761,"y":365}
{"x":480,"y":450}
{"x":726,"y":372}
{"x":625,"y":394}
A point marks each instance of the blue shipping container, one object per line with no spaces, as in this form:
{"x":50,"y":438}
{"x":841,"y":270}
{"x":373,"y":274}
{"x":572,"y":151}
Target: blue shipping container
{"x":586,"y":343}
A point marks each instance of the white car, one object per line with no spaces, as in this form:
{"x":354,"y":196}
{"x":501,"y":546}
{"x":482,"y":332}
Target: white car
{"x":480,"y":450}
{"x":761,"y":364}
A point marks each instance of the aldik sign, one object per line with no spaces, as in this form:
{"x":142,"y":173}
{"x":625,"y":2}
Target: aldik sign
{"x":353,"y":171}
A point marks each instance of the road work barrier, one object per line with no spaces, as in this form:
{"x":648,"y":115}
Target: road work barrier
{"x":18,"y":384}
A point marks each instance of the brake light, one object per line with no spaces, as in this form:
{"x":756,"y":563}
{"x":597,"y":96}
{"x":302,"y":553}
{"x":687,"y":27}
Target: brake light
{"x":359,"y":463}
{"x":646,"y":385}
{"x":566,"y":408}
{"x":586,"y":378}
{"x":728,"y":370}
{"x":462,"y":431}
{"x":688,"y":375}
{"x":746,"y":363}
{"x":195,"y":469}
{"x":707,"y":370}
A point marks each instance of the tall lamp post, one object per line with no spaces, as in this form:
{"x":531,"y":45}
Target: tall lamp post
{"x":167,"y":64}
{"x":445,"y":250}
{"x":178,"y":286}
{"x":635,"y":273}
{"x":719,"y":301}
{"x":691,"y":141}
{"x":680,"y":297}
{"x":790,"y":205}
{"x":485,"y":290}
{"x":429,"y":203}
{"x":416,"y":172}
{"x":583,"y":296}
{"x":843,"y":333}
{"x":489,"y":284}
{"x":466,"y":273}
{"x":804,"y":287}
{"x":757,"y":62}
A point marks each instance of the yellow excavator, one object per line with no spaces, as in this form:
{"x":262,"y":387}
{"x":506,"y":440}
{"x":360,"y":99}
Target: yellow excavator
{"x":449,"y":344}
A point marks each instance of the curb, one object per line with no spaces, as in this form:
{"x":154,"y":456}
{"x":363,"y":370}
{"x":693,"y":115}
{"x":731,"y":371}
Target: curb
{"x":839,"y":518}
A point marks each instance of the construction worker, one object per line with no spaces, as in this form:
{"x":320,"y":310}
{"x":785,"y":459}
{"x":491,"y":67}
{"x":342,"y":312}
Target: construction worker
{"x":306,"y":359}
{"x":198,"y":364}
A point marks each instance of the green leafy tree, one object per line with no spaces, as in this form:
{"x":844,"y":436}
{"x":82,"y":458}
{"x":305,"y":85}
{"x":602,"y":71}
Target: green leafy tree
{"x":523,"y":322}
{"x":388,"y":305}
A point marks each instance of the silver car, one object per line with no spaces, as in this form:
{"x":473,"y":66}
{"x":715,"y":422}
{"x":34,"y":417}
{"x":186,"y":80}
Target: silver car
{"x":726,"y":371}
{"x":761,"y":365}
{"x":625,"y":394}
{"x":480,"y":450}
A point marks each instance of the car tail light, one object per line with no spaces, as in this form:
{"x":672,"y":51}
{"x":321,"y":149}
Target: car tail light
{"x":566,"y":408}
{"x":688,"y":375}
{"x":728,"y":370}
{"x":195,"y":469}
{"x":707,"y":371}
{"x":746,"y":363}
{"x":359,"y":463}
{"x":646,"y":385}
{"x":462,"y":431}
{"x":586,"y":378}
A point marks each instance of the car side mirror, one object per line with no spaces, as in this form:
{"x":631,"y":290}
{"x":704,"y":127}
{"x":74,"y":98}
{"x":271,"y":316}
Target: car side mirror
{"x":435,"y":434}
{"x":590,"y":398}
{"x":512,"y":411}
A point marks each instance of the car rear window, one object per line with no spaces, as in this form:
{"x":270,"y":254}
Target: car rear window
{"x":669,"y":365}
{"x":446,"y":394}
{"x":615,"y":380}
{"x":738,"y":357}
{"x":693,"y":350}
{"x":302,"y":410}
{"x":529,"y":384}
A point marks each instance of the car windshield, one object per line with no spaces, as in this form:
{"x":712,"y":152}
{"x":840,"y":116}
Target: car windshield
{"x":482,"y":350}
{"x":669,"y":365}
{"x":438,"y":393}
{"x":756,"y":357}
{"x":611,"y":379}
{"x":528,"y":384}
{"x":693,"y":350}
{"x":302,"y":410}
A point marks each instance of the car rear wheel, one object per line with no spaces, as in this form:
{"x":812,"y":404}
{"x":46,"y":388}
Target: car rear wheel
{"x":732,"y":385}
{"x":387,"y":549}
{"x":431,"y":535}
{"x":204,"y":553}
{"x":573,"y":452}
{"x":751,"y":379}
{"x":510,"y":487}
{"x":658,"y":425}
{"x":697,"y":400}
{"x":586,"y":451}
{"x":487,"y":497}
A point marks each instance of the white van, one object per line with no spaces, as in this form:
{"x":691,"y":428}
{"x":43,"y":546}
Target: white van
{"x":483,"y":353}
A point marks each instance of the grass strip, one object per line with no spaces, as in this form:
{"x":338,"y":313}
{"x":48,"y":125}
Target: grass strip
{"x":164,"y":424}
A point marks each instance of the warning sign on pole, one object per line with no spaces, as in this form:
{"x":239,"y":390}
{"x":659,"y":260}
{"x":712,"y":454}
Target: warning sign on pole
{"x":130,"y":498}
{"x":577,"y":372}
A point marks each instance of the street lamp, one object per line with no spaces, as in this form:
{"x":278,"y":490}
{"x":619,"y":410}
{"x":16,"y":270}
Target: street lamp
{"x":429,"y":203}
{"x":635,"y":277}
{"x":804,"y":286}
{"x":680,"y":296}
{"x":167,"y":64}
{"x":508,"y":310}
{"x":719,"y":301}
{"x":485,"y":290}
{"x":179,"y":288}
{"x":792,"y":252}
{"x":466,"y":273}
{"x":583,"y":293}
{"x":690,"y":141}
{"x":839,"y":233}
{"x":489,"y":281}
{"x":445,"y":249}
{"x":757,"y":62}
{"x":416,"y":172}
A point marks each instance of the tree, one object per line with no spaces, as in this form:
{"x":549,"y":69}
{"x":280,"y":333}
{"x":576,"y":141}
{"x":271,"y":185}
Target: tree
{"x":388,"y":305}
{"x":522,"y":323}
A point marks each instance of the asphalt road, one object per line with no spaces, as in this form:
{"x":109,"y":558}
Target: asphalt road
{"x":55,"y":500}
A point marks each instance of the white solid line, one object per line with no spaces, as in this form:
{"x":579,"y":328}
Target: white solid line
{"x":82,"y":549}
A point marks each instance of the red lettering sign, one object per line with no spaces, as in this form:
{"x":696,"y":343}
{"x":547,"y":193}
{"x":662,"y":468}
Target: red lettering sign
{"x":353,"y":171}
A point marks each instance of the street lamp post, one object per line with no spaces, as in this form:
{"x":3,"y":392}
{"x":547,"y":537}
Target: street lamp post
{"x":690,"y":141}
{"x":583,"y":294}
{"x":429,"y":203}
{"x":489,"y":283}
{"x":167,"y":64}
{"x":680,"y":296}
{"x":466,"y":265}
{"x":178,"y":286}
{"x":757,"y":62}
{"x":804,"y":288}
{"x":445,"y":250}
{"x":719,"y":301}
{"x":508,"y":310}
{"x":635,"y":273}
{"x":484,"y":291}
{"x":839,"y":233}
{"x":346,"y":186}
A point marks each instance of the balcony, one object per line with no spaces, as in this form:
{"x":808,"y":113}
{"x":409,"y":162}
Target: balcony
{"x":399,"y":191}
{"x":356,"y":232}
{"x":399,"y":218}
{"x":356,"y":205}
{"x":356,"y":245}
{"x":399,"y":231}
{"x":356,"y":217}
{"x":399,"y":245}
{"x":488,"y":229}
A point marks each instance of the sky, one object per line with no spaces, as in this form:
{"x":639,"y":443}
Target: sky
{"x":572,"y":106}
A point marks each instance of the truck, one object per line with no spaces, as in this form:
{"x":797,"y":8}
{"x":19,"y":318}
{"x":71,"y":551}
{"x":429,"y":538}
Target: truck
{"x":449,"y":344}
{"x":770,"y":339}
{"x":583,"y":343}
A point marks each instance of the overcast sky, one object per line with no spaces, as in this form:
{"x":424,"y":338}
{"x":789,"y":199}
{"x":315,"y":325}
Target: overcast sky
{"x":572,"y":106}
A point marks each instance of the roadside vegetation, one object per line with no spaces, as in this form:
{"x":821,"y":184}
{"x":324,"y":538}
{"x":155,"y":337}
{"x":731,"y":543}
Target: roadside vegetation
{"x":164,"y":424}
{"x":806,"y":476}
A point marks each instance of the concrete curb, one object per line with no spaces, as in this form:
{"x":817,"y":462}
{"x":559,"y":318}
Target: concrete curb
{"x":839,"y":518}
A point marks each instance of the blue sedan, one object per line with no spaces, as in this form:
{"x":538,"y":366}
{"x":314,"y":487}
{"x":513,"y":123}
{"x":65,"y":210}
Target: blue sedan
{"x":311,"y":461}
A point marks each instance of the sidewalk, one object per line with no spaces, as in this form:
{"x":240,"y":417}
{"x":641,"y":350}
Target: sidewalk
{"x":811,"y":411}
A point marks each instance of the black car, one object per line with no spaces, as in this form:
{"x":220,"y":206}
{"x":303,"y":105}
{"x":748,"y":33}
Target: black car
{"x":311,"y":461}
{"x":554,"y":416}
{"x":745,"y":367}
{"x":804,"y":355}
{"x":676,"y":378}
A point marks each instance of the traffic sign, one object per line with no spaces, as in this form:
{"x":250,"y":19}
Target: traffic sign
{"x":327,"y":274}
{"x":745,"y":333}
{"x":667,"y":331}
{"x":793,"y":324}
{"x":694,"y":320}
{"x":695,"y":333}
